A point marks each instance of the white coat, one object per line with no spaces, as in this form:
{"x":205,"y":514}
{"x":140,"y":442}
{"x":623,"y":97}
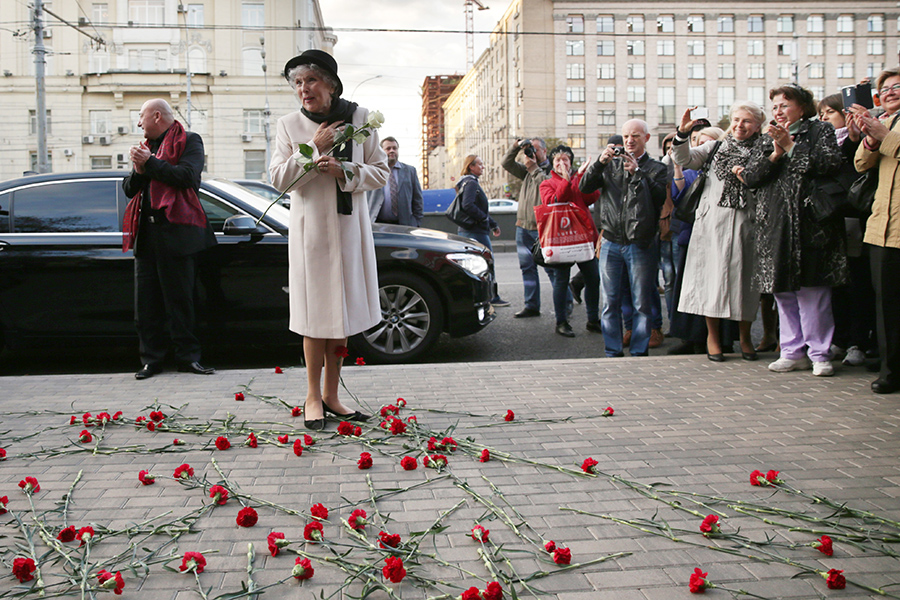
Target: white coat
{"x":332,"y":276}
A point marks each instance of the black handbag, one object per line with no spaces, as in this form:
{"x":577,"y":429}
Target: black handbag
{"x":862,"y":193}
{"x":831,"y":199}
{"x":456,"y":213}
{"x":690,"y":199}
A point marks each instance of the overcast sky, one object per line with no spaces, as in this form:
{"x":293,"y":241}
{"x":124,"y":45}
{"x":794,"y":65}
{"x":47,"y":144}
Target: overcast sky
{"x":402,"y":60}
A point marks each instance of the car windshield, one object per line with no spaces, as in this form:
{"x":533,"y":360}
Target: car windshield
{"x":257,"y":202}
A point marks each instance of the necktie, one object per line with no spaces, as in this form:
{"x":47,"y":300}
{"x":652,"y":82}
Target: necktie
{"x":395,"y":188}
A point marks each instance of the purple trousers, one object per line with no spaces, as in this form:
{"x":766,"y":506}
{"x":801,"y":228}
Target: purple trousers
{"x":807,"y":324}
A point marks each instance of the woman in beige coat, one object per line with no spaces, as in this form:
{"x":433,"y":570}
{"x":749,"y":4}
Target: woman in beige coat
{"x":332,"y":275}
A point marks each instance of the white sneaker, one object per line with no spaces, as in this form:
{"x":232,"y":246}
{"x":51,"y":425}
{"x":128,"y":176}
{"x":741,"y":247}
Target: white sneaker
{"x":855,"y":357}
{"x":784,"y":365}
{"x":823,"y":369}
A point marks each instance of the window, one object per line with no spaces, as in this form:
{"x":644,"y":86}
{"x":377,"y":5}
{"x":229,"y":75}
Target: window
{"x":637,"y":93}
{"x":755,"y":24}
{"x":874,"y":69}
{"x":637,"y":113}
{"x":818,"y":92}
{"x":874,"y":47}
{"x":785,"y":71}
{"x":815,"y":23}
{"x":576,"y":48}
{"x":101,"y":163}
{"x":725,"y":97}
{"x":635,"y":47}
{"x":845,"y":24}
{"x":666,"y":96}
{"x":725,"y":48}
{"x":574,"y":71}
{"x":636,"y":70}
{"x":216,"y":210}
{"x":606,"y":93}
{"x":147,"y":12}
{"x":757,"y":94}
{"x":252,"y":61}
{"x":197,"y":60}
{"x":254,"y":120}
{"x":99,"y":13}
{"x":575,"y":24}
{"x":101,"y":122}
{"x":875,"y":23}
{"x":606,"y":116}
{"x":845,"y":47}
{"x":32,"y":118}
{"x":696,"y":96}
{"x":606,"y":48}
{"x":575,"y":94}
{"x":665,"y":47}
{"x":816,"y":70}
{"x":49,"y":208}
{"x":726,"y":70}
{"x":695,"y":23}
{"x":635,"y":23}
{"x":726,"y":24}
{"x":756,"y":71}
{"x":606,"y":71}
{"x":665,"y":70}
{"x":194,"y":15}
{"x":147,"y":59}
{"x":815,"y":47}
{"x":785,"y":24}
{"x":135,"y":116}
{"x":32,"y":160}
{"x":606,"y":24}
{"x":98,"y":60}
{"x":785,"y":48}
{"x":665,"y":24}
{"x":845,"y":70}
{"x":756,"y":47}
{"x":252,"y":14}
{"x":575,"y":140}
{"x":574,"y":117}
{"x":696,"y":71}
{"x":696,"y":48}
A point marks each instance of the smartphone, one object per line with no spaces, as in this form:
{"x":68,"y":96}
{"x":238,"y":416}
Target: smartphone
{"x":701,"y":112}
{"x":857,"y":94}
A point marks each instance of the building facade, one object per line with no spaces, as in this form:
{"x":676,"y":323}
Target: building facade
{"x":577,"y":70}
{"x":435,"y":90}
{"x":94,"y":91}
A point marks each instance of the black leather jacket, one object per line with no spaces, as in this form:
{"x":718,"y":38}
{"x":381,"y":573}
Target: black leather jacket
{"x":629,"y":210}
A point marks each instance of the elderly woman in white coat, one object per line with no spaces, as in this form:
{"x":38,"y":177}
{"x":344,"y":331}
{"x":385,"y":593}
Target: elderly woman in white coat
{"x":332,"y":275}
{"x":720,"y":258}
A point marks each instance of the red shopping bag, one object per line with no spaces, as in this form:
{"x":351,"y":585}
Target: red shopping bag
{"x":565,"y":231}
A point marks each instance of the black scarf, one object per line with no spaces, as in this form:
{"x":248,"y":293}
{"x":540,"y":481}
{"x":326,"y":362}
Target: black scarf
{"x":341,"y":110}
{"x":733,"y":152}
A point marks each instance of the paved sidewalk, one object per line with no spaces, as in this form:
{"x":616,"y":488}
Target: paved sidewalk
{"x":684,"y":421}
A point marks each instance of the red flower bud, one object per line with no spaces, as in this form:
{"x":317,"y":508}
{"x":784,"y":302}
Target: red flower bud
{"x":698,"y":583}
{"x":823,"y":545}
{"x":184,"y":471}
{"x":193,"y":561}
{"x":365,"y":461}
{"x":296,"y":411}
{"x":313,"y":532}
{"x":302,"y":569}
{"x":510,"y":415}
{"x":298,"y":447}
{"x":222,"y":443}
{"x":146,"y":478}
{"x":835,"y":580}
{"x":239,"y":396}
{"x":247,"y":517}
{"x":23,"y":569}
{"x":218,"y":494}
{"x":562,"y":556}
{"x":588,"y":465}
{"x":393,"y":569}
{"x":357,"y":519}
{"x":318,"y":511}
{"x":485,"y":456}
{"x":409,"y":463}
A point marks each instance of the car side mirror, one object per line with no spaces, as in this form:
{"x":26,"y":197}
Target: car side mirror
{"x":240,"y":225}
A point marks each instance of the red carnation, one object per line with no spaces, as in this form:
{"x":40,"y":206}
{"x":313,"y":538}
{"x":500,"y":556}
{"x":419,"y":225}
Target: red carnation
{"x":193,"y":561}
{"x":30,"y":485}
{"x":409,"y":463}
{"x":222,"y":443}
{"x":435,"y":461}
{"x":772,"y":477}
{"x":4,"y":500}
{"x":283,"y":439}
{"x":401,"y":402}
{"x":608,"y":411}
{"x":157,"y":416}
{"x":117,"y":416}
{"x":239,"y":396}
{"x":302,"y":569}
{"x":388,"y":540}
{"x":471,"y":594}
{"x":393,"y":569}
{"x":357,"y":519}
{"x":308,"y":439}
{"x":588,"y":465}
{"x":218,"y":494}
{"x":247,"y":517}
{"x":111,"y":582}
{"x":298,"y":447}
{"x":357,"y":431}
{"x":493,"y":591}
{"x":67,"y":535}
{"x":318,"y":511}
{"x":398,"y":426}
{"x":562,"y":556}
{"x":85,"y":436}
{"x":389,"y":409}
{"x":314,"y":532}
{"x":23,"y":569}
{"x":146,"y":478}
{"x":480,"y":534}
{"x":84,"y":535}
{"x":278,"y":370}
{"x":550,"y":546}
{"x":138,"y":422}
{"x":341,"y":352}
{"x":365,"y":461}
{"x":103,"y":418}
{"x":412,"y":419}
{"x":360,"y":361}
{"x":835,"y":580}
{"x":151,"y":426}
{"x":510,"y":415}
{"x":296,"y":411}
{"x":823,"y":545}
{"x":449,"y":444}
{"x":276,"y":541}
{"x":177,"y":442}
{"x":757,"y":478}
{"x":485,"y":456}
{"x":710,"y":525}
{"x":252,"y":441}
{"x":345,"y":428}
{"x":184,"y":471}
{"x":73,"y":420}
{"x":698,"y":583}
{"x":87,"y":419}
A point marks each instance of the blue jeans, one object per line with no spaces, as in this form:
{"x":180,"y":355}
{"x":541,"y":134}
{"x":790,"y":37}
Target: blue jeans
{"x":483,"y":238}
{"x":656,"y":319}
{"x":641,"y":266}
{"x":562,"y":295}
{"x":525,"y":239}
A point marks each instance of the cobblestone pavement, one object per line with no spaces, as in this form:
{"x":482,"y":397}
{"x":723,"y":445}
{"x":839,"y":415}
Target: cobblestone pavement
{"x":683,"y":421}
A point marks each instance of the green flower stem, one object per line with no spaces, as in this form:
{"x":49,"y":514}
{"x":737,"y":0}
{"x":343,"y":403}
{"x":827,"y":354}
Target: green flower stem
{"x":735,"y":592}
{"x":199,"y":586}
{"x":435,"y":526}
{"x":85,"y":567}
{"x":374,"y":501}
{"x":68,"y":498}
{"x":542,"y":574}
{"x":29,"y":534}
{"x":251,"y":584}
{"x":353,"y":571}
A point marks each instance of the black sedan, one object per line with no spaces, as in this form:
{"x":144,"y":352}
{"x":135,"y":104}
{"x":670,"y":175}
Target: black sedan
{"x":65,"y":279}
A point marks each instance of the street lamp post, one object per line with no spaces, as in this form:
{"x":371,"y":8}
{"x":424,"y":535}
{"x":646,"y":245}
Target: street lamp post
{"x":362,"y":82}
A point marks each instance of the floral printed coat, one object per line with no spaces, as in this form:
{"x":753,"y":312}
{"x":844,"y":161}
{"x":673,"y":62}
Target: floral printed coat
{"x":794,"y":250}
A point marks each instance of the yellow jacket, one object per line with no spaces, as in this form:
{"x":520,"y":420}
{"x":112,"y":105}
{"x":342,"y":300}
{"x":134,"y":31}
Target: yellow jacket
{"x":883,"y":227}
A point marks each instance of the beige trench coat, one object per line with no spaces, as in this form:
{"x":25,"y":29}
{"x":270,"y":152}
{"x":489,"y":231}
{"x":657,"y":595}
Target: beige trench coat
{"x":332,"y":276}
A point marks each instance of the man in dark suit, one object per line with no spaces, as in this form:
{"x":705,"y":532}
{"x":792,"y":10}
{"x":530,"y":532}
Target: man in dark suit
{"x":400,"y":201}
{"x":167,"y":227}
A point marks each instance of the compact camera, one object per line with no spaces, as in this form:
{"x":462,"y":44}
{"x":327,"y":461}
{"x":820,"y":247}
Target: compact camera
{"x":618,"y":151}
{"x":528,"y":148}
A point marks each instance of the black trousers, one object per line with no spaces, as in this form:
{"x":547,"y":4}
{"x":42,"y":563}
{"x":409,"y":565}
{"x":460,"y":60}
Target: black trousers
{"x":164,"y":303}
{"x":885,"y":263}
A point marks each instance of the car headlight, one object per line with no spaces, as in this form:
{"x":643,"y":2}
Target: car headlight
{"x":472,"y":263}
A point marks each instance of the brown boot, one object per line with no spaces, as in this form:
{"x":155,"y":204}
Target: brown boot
{"x":656,"y":338}
{"x":626,"y":339}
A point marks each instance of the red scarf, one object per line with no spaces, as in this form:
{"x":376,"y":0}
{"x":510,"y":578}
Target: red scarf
{"x":181,"y":206}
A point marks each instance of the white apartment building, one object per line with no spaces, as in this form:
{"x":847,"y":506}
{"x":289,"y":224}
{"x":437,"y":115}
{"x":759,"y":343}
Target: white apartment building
{"x":94,"y":91}
{"x":575,"y":71}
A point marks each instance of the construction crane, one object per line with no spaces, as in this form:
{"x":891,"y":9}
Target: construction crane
{"x":470,"y":30}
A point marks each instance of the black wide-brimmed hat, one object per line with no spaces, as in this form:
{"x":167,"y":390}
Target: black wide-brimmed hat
{"x":318,"y":58}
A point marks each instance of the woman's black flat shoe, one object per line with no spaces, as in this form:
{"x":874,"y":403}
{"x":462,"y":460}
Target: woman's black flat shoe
{"x":716,"y":357}
{"x":354,"y":416}
{"x":749,"y":355}
{"x":315,"y":424}
{"x":770,"y":348}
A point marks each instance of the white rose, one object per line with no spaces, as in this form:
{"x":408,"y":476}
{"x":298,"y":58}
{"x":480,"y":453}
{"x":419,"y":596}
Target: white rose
{"x":375,"y":120}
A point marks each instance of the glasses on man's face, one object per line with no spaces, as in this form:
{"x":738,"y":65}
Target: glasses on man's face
{"x":893,"y":88}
